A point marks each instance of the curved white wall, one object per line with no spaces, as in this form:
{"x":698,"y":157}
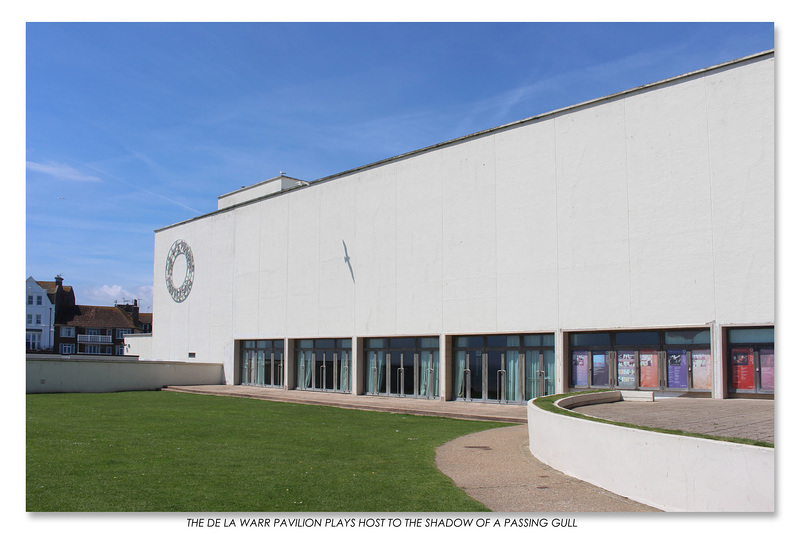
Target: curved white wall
{"x":669,"y":472}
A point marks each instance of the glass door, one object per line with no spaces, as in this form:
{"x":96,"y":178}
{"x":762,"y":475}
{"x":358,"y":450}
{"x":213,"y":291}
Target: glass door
{"x":401,"y":373}
{"x":701,"y":369}
{"x":428,"y":367}
{"x":751,"y":360}
{"x":539,"y":373}
{"x":324,"y":370}
{"x":649,"y":369}
{"x":429,"y":373}
{"x":627,"y":376}
{"x":342,"y":364}
{"x":600,"y":369}
{"x":305,"y":366}
{"x":402,"y":366}
{"x":469,"y":374}
{"x":766,"y":383}
{"x":677,"y":369}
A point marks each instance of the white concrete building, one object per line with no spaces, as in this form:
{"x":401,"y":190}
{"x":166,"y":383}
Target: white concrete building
{"x":625,"y":242}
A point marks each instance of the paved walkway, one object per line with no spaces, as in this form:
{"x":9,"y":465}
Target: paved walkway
{"x":733,"y":418}
{"x":507,"y":413}
{"x":496,"y":467}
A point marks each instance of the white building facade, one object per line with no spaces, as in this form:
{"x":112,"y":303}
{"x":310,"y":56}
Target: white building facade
{"x":40,"y":314}
{"x":627,"y":242}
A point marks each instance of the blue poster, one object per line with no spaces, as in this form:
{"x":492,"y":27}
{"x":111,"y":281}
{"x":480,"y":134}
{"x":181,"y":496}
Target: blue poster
{"x":677,"y":369}
{"x":580,"y":368}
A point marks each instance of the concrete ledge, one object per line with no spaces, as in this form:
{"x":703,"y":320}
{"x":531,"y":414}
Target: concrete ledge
{"x":638,"y":396}
{"x":669,"y":472}
{"x":586,"y":399}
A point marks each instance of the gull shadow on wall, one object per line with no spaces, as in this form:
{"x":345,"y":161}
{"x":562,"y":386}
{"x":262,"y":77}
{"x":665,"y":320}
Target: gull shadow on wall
{"x":347,"y":261}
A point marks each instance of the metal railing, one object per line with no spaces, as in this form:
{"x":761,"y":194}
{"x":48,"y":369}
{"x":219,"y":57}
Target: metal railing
{"x":86,"y":338}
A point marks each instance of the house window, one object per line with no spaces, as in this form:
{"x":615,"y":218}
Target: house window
{"x":120,"y":350}
{"x":67,"y":331}
{"x":38,"y":318}
{"x":92,"y":349}
{"x":94,"y":332}
{"x":66,"y":348}
{"x":30,"y":300}
{"x":33,"y":340}
{"x":38,"y":300}
{"x":30,"y":319}
{"x":122,"y":331}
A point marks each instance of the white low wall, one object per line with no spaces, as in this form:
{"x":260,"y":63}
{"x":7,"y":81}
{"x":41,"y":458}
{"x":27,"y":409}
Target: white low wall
{"x":669,"y":472}
{"x":74,"y":375}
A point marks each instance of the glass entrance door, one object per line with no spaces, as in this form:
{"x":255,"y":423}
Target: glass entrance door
{"x":429,"y":372}
{"x":262,"y":362}
{"x":375,"y":371}
{"x":401,"y":370}
{"x":403,"y":367}
{"x":323,"y":364}
{"x":751,"y":360}
{"x":662,"y":360}
{"x":324,"y":370}
{"x":469,"y":374}
{"x":539,"y":373}
{"x":677,"y":369}
{"x":503,"y":368}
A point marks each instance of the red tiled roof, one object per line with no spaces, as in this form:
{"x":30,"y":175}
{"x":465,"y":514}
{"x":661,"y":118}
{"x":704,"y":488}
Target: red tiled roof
{"x":146,"y":318}
{"x":98,"y":316}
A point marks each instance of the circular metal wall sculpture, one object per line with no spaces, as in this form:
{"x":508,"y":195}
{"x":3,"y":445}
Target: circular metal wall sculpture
{"x":179,"y":247}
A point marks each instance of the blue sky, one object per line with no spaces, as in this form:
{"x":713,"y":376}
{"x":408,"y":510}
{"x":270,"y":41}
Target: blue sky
{"x":131,"y":127}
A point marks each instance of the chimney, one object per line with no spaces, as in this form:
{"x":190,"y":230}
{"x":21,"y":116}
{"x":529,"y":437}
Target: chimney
{"x":135,"y":312}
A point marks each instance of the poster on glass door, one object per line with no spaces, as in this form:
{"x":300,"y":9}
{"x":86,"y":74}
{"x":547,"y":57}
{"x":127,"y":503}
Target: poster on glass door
{"x":767,"y":357}
{"x":677,"y":369}
{"x":648,"y":369}
{"x":599,"y":369}
{"x":580,"y":368}
{"x":743,"y":368}
{"x":626,"y":369}
{"x":701,"y":369}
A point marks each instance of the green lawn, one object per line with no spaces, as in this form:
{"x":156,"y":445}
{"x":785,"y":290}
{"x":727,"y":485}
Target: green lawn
{"x":169,"y":452}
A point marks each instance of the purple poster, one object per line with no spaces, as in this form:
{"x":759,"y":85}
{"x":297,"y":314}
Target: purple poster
{"x":580,"y":368}
{"x":676,"y":369}
{"x":599,"y":369}
{"x":767,"y":369}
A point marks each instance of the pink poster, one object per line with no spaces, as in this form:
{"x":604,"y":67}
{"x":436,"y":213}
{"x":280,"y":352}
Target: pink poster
{"x":701,"y":369}
{"x":767,"y":369}
{"x":648,"y":369}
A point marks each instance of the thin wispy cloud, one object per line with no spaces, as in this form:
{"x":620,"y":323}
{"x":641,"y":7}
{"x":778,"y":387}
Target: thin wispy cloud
{"x":149,"y":192}
{"x":61,"y":171}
